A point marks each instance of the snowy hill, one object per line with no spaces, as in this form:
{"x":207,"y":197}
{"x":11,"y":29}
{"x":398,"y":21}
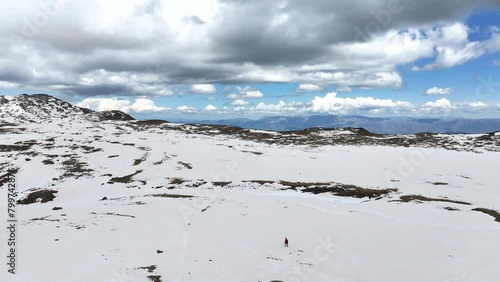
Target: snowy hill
{"x":42,"y":107}
{"x":126,"y":200}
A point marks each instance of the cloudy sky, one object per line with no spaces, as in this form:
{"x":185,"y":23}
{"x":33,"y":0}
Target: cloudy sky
{"x":251,"y":58}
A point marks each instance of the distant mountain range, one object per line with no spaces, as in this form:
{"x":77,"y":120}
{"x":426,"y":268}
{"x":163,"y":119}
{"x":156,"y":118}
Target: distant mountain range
{"x":40,"y":107}
{"x":391,"y":125}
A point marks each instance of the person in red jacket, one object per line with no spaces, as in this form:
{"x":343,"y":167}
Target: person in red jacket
{"x":286,"y":242}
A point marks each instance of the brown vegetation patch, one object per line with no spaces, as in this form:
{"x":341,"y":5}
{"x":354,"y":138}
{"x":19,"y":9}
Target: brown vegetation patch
{"x":123,"y":179}
{"x":186,"y":165}
{"x":40,"y":196}
{"x":221,"y":183}
{"x":420,"y":198}
{"x":150,"y":268}
{"x":493,"y":213}
{"x":347,"y":190}
{"x":165,"y":195}
{"x":177,"y":181}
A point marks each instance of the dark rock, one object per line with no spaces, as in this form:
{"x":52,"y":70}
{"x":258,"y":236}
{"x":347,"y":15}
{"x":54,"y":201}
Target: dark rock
{"x":113,"y":115}
{"x":41,"y":196}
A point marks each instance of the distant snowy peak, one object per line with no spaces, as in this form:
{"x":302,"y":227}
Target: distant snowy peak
{"x":37,"y":108}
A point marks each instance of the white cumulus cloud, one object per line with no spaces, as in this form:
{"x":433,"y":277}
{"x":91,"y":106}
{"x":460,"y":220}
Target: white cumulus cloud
{"x":442,"y":103}
{"x":185,"y":108}
{"x":210,"y":107}
{"x":309,"y":87}
{"x":438,"y":91}
{"x":105,"y":104}
{"x":232,"y":96}
{"x":282,"y":108}
{"x":453,"y":47}
{"x":344,"y":89}
{"x":8,"y":85}
{"x":203,"y":88}
{"x":239,"y":102}
{"x":248,"y":93}
{"x":140,"y":105}
{"x":476,"y":105}
{"x":331,"y":103}
{"x":244,"y":93}
{"x":252,"y":94}
{"x":145,"y":105}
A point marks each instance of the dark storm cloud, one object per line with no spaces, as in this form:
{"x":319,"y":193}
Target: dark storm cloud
{"x":16,"y":77}
{"x":247,"y":33}
{"x":99,"y":90}
{"x":195,"y":74}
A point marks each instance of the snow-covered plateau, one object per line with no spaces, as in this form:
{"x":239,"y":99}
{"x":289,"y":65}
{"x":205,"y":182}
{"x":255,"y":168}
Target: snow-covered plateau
{"x":135,"y":201}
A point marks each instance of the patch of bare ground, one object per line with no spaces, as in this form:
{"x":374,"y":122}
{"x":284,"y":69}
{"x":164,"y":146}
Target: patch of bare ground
{"x":165,"y":195}
{"x":40,"y":196}
{"x":45,"y":218}
{"x":48,"y":162}
{"x":150,"y":122}
{"x":221,"y":183}
{"x":75,"y":168}
{"x":140,"y":160}
{"x":186,"y":165}
{"x":493,"y":213}
{"x":155,"y":278}
{"x":124,"y":179}
{"x":14,"y":148}
{"x":137,"y":203}
{"x":352,"y":191}
{"x":177,"y":181}
{"x":337,"y":189}
{"x":261,"y":182}
{"x":196,"y":184}
{"x":90,"y":149}
{"x":438,"y":183}
{"x":14,"y":130}
{"x":252,"y":152}
{"x":420,"y":198}
{"x":150,"y":268}
{"x":294,"y":185}
{"x":5,"y":177}
{"x":114,"y":214}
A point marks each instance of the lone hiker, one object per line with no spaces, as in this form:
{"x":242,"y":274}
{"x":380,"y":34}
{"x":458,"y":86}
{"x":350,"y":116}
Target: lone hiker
{"x":286,"y":242}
